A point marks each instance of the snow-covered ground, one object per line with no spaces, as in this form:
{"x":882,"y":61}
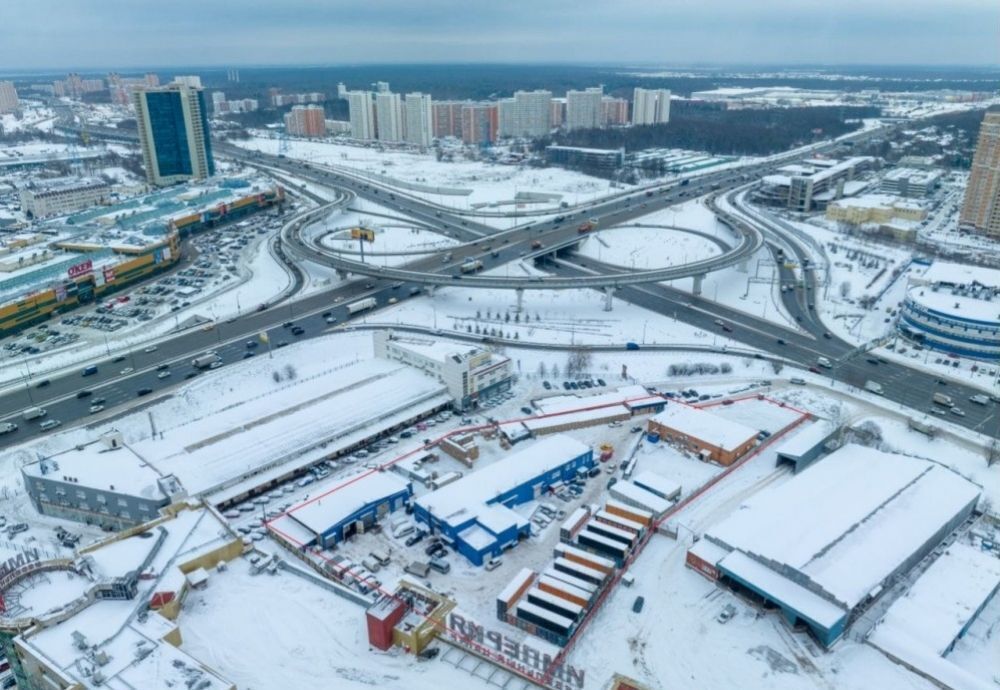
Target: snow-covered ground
{"x":486,"y":183}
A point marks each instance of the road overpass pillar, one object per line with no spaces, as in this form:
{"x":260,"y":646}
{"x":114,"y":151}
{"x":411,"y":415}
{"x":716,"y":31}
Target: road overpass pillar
{"x":429,"y":289}
{"x":520,"y":299}
{"x":698,"y":280}
{"x":743,"y":265}
{"x":342,"y":274}
{"x":609,"y":294}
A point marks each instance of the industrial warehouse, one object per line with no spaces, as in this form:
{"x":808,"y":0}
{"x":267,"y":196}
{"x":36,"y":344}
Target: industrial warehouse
{"x":474,"y":513}
{"x":707,"y":435}
{"x":881,"y":514}
{"x":77,"y":259}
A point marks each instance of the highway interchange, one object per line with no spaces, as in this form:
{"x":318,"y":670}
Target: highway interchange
{"x":320,"y":312}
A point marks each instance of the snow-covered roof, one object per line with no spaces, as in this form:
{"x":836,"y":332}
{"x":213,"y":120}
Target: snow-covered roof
{"x":704,"y":425}
{"x":627,"y":491}
{"x":961,"y":274}
{"x":267,"y":434}
{"x":848,"y":521}
{"x":945,"y":598}
{"x":806,"y":438}
{"x":323,"y":512}
{"x":809,"y":604}
{"x":965,"y":307}
{"x":635,"y":395}
{"x":656,"y":482}
{"x":471,"y":493}
{"x":94,"y":466}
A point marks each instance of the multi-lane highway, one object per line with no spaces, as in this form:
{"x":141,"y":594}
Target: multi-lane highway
{"x":121,"y":381}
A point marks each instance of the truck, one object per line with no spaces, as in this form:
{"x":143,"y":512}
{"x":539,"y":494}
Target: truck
{"x":873,"y":387}
{"x":824,"y":362}
{"x":471,"y":266}
{"x":205,"y":361}
{"x":361,"y":305}
{"x":7,"y":428}
{"x":942,"y":399}
{"x":587,"y":226}
{"x":980,"y":399}
{"x":33,"y":413}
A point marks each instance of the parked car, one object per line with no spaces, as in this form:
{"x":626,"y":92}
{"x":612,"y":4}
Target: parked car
{"x":638,"y":604}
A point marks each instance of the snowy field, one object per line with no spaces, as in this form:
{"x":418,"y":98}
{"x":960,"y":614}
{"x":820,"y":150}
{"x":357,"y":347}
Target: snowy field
{"x":474,"y":182}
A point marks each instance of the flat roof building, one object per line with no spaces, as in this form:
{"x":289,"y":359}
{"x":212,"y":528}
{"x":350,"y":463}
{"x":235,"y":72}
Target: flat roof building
{"x":475,"y":513}
{"x":103,"y":483}
{"x":709,"y":436}
{"x":56,"y":197}
{"x":468,"y":372}
{"x":829,"y":539}
{"x":911,"y":182}
{"x":352,"y":508}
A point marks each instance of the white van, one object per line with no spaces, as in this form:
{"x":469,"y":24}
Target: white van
{"x":494,"y":563}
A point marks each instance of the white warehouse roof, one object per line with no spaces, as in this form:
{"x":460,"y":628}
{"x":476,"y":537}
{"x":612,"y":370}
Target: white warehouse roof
{"x":473,"y":491}
{"x":323,"y":512}
{"x":850,"y":520}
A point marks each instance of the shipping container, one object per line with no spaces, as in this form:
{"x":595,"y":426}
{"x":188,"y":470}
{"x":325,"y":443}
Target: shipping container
{"x":581,"y":571}
{"x":564,"y":590}
{"x":575,"y":582}
{"x":584,"y":558}
{"x":513,"y":591}
{"x":611,"y":532}
{"x":636,"y":528}
{"x":573,"y":523}
{"x":624,"y":510}
{"x":603,"y":545}
{"x":544,"y":618}
{"x":554,"y":604}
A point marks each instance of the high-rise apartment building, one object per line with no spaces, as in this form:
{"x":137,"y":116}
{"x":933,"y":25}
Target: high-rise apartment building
{"x":583,"y":108}
{"x":527,"y":114}
{"x":306,"y":121}
{"x":419,"y":119}
{"x":981,"y":206}
{"x":190,"y":80}
{"x":614,"y":111}
{"x":218,"y":102}
{"x":479,"y":123}
{"x":388,"y":116}
{"x":176,"y":143}
{"x":448,"y":118}
{"x":558,"y":112}
{"x":8,"y":97}
{"x":650,"y":106}
{"x":362,"y":114}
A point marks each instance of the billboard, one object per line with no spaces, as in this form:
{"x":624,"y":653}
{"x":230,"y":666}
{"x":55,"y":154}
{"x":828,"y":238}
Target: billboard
{"x":363,"y":234}
{"x":81,"y":268}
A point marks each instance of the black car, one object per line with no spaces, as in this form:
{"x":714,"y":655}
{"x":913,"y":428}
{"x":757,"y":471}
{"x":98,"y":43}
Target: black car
{"x":281,"y":343}
{"x":248,"y":354}
{"x":298,"y":330}
{"x":119,"y":358}
{"x":143,"y":391}
{"x":547,"y":385}
{"x":781,"y":341}
{"x":288,"y":324}
{"x":43,"y":383}
{"x":190,"y":374}
{"x":163,"y":367}
{"x":826,"y":334}
{"x":327,"y":314}
{"x":252,"y":344}
{"x":526,"y":410}
{"x":601,"y":383}
{"x":83,"y":394}
{"x":871,"y":360}
{"x":417,"y":536}
{"x":98,"y":401}
{"x":566,"y":385}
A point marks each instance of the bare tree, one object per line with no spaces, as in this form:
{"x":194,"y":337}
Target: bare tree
{"x":992,"y":453}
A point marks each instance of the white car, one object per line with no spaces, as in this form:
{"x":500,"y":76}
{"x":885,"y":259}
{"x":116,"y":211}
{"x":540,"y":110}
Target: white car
{"x":163,"y":374}
{"x":126,"y":371}
{"x":94,"y":409}
{"x":151,"y":348}
{"x":958,"y":411}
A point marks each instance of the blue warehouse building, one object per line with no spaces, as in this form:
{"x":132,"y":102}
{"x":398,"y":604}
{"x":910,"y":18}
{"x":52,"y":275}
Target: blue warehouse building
{"x":475,"y":513}
{"x":352,"y":508}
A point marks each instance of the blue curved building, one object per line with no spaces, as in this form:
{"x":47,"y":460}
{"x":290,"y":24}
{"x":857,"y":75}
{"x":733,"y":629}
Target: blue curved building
{"x":964,"y":321}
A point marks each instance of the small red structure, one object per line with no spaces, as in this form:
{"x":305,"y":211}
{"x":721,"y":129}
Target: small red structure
{"x":161,"y":599}
{"x":382,"y":617}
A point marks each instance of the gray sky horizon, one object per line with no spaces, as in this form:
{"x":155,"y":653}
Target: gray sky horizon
{"x":93,"y":34}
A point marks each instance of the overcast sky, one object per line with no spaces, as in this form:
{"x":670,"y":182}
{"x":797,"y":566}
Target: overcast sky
{"x":63,"y":34}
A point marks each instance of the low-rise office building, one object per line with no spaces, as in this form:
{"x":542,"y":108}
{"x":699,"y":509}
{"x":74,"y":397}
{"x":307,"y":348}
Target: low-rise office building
{"x":709,"y":436}
{"x":57,"y":197}
{"x":468,"y":372}
{"x":103,"y":483}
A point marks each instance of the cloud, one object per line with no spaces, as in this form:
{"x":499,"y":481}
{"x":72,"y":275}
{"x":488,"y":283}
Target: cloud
{"x":80,"y":34}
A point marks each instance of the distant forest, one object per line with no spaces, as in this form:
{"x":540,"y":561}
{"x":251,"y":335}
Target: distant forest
{"x":711,"y":128}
